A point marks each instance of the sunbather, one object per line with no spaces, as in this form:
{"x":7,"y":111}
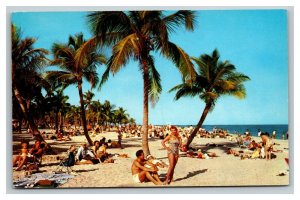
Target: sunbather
{"x":140,"y":173}
{"x":20,"y":159}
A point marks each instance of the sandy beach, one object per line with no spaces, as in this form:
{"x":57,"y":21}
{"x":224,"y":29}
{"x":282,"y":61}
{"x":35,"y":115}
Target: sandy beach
{"x":224,"y":170}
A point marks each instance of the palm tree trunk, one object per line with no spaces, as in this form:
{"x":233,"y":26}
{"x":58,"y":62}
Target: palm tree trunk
{"x":83,"y":114}
{"x":145,"y":145}
{"x":26,"y":114}
{"x":56,"y":121}
{"x":203,"y":116}
{"x":36,"y":133}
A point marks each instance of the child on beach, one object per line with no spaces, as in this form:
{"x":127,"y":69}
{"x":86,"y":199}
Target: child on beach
{"x":21,"y":158}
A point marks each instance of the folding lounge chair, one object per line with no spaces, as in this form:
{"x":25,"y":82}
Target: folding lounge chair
{"x":66,"y":162}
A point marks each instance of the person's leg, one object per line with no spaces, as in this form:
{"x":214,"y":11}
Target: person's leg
{"x":21,"y":163}
{"x":155,"y":175}
{"x":151,"y":178}
{"x":175,"y":163}
{"x":171,"y":168}
{"x":15,"y":160}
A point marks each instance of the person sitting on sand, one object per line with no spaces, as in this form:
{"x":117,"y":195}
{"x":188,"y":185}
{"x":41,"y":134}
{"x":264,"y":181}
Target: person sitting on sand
{"x":113,"y":144}
{"x":37,"y":151}
{"x":156,"y":162}
{"x":20,"y":159}
{"x":253,"y":145}
{"x":85,"y":156}
{"x":95,"y":148}
{"x":140,"y":173}
{"x":103,"y":155}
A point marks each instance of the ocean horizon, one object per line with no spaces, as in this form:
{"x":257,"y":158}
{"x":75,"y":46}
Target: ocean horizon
{"x":242,"y":128}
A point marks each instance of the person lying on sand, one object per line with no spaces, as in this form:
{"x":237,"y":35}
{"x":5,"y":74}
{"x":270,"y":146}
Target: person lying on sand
{"x":201,"y":155}
{"x":140,"y":173}
{"x":156,"y":162}
{"x":233,"y":152}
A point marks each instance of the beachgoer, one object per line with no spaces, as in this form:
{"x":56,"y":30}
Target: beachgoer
{"x":259,"y":133}
{"x":20,"y":159}
{"x":175,"y":143}
{"x":84,"y":155}
{"x":268,"y":145}
{"x":274,"y":134}
{"x":140,"y":173}
{"x":253,"y":145}
{"x":36,"y":152}
{"x":103,"y":155}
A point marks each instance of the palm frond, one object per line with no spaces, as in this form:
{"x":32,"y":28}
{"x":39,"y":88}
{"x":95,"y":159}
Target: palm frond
{"x":122,"y":51}
{"x":182,"y":61}
{"x":181,"y":17}
{"x":104,"y":22}
{"x":154,"y":80}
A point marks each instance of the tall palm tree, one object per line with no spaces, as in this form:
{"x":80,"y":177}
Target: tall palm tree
{"x":27,"y":82}
{"x":214,"y":79}
{"x":134,"y":35}
{"x":73,"y":72}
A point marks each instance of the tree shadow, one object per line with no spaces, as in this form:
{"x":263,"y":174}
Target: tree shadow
{"x":191,"y":174}
{"x":222,"y":146}
{"x":84,"y":170}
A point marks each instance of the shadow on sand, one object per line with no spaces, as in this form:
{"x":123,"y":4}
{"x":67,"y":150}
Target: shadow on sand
{"x":191,"y":174}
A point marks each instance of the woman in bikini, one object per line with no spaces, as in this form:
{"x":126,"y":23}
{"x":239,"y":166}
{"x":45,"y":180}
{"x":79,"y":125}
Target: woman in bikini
{"x":175,"y":143}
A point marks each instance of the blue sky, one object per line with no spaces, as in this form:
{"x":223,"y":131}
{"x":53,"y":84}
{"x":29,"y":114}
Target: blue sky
{"x":255,"y":41}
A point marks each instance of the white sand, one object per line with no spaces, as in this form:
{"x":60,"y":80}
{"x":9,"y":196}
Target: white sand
{"x":225,"y":170}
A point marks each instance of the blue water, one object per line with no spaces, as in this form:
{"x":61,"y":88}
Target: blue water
{"x":235,"y":129}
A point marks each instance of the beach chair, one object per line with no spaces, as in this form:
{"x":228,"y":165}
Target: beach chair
{"x":67,"y":162}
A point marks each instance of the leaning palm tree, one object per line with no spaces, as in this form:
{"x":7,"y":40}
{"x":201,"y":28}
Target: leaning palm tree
{"x":134,"y":35}
{"x":27,"y":82}
{"x":214,"y":79}
{"x":73,"y":72}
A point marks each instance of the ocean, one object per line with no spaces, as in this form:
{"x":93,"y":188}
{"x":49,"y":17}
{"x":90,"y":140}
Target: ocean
{"x":235,"y":129}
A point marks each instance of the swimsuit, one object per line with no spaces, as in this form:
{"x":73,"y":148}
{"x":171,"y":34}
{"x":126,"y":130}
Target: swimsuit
{"x":174,"y":147}
{"x":136,"y":178}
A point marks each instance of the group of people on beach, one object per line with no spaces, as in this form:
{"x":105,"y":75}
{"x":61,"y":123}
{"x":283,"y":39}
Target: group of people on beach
{"x":26,"y":155}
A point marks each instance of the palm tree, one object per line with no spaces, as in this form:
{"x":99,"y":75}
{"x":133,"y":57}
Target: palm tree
{"x":108,"y":111}
{"x":73,"y":72}
{"x":134,"y":35}
{"x":26,"y":80}
{"x":88,"y":96}
{"x":74,"y":114}
{"x":96,"y":110}
{"x":121,"y":116}
{"x":214,"y":79}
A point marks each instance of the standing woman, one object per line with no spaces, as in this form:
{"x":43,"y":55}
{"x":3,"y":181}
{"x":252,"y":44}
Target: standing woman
{"x":175,"y":143}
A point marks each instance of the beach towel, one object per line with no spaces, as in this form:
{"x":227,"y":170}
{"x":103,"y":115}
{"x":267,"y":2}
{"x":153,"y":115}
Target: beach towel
{"x":31,"y":181}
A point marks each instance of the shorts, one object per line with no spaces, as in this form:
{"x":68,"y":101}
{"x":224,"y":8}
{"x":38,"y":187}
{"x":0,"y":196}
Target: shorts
{"x":136,"y":178}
